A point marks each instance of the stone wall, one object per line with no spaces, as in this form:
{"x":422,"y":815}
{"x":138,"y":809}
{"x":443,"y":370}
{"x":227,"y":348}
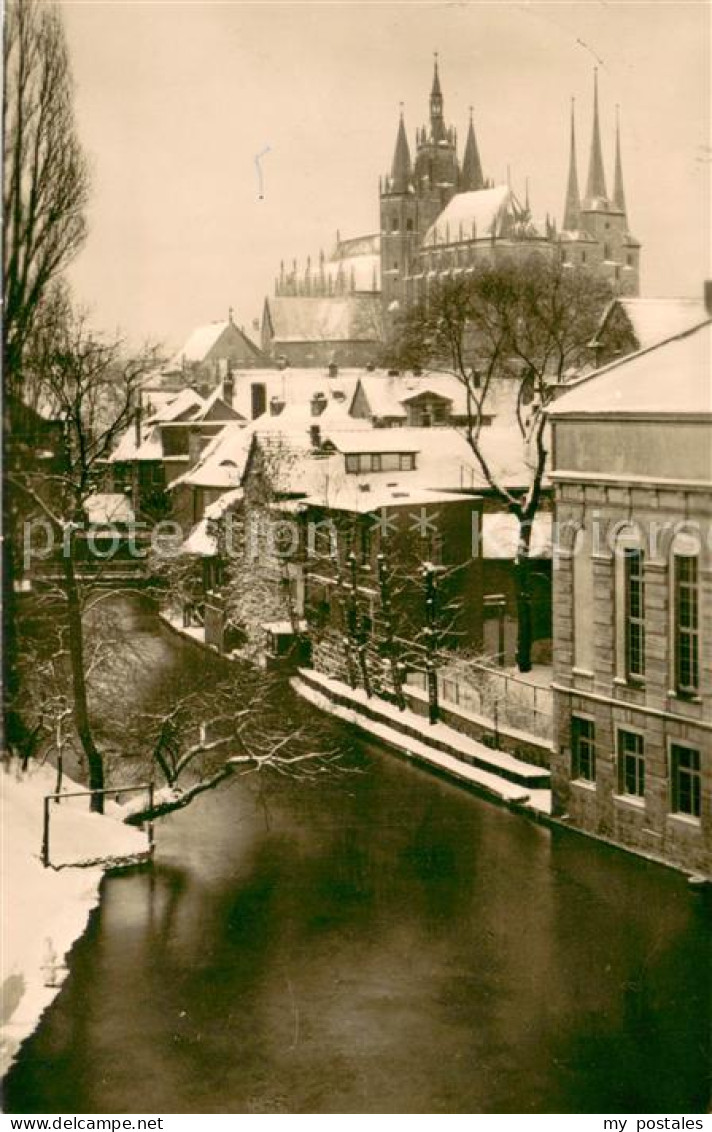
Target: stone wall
{"x":609,"y":699}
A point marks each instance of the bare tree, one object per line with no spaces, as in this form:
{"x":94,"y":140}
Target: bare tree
{"x":527,"y":324}
{"x":45,"y":179}
{"x":90,"y":386}
{"x":235,"y":725}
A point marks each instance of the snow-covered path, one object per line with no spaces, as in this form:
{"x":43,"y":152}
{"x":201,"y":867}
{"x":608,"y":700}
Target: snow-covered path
{"x":45,"y":910}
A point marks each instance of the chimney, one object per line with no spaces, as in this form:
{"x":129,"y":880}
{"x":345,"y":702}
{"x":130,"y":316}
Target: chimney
{"x":228,"y":389}
{"x":318,"y":404}
{"x":282,"y":361}
{"x":333,"y":369}
{"x":315,"y":435}
{"x":276,"y":404}
{"x":708,"y":296}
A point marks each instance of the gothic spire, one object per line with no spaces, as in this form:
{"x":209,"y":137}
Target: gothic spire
{"x":596,"y":185}
{"x":572,"y":207}
{"x":401,"y":171}
{"x":471,"y":166}
{"x":437,"y":124}
{"x":618,"y":192}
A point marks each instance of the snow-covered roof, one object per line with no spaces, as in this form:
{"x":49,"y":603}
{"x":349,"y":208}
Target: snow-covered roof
{"x":342,"y":318}
{"x":375,"y":440}
{"x":222,"y":461}
{"x":655,"y":320}
{"x":108,"y":507}
{"x":187,"y":401}
{"x":358,"y":246}
{"x":359,"y":272}
{"x":201,"y":342}
{"x":500,"y":535}
{"x":671,"y":378}
{"x":481,"y":211}
{"x":149,"y":446}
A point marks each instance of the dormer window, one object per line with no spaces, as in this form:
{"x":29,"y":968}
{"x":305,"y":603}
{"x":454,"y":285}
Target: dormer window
{"x":360,"y":463}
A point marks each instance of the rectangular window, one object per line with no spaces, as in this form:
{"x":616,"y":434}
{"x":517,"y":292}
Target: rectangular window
{"x":352,"y":464}
{"x":631,"y":764}
{"x":375,"y":461}
{"x":407,"y":461}
{"x":583,"y":748}
{"x":685,"y":780}
{"x":258,"y":397}
{"x":686,"y":642}
{"x":634,"y":614}
{"x":583,"y":257}
{"x":394,"y":224}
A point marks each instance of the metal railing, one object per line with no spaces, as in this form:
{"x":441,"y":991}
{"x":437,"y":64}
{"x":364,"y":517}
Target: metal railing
{"x":504,"y":698}
{"x":115,"y":791}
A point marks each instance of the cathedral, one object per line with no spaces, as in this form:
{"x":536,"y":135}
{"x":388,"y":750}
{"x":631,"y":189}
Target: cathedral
{"x":439,"y":216}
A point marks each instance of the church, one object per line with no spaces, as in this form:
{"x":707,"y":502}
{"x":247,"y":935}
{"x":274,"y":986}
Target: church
{"x":439,"y":217}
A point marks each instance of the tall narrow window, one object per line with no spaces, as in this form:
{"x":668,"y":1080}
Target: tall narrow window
{"x":583,"y":748}
{"x":686,"y":634}
{"x":631,"y":764}
{"x":685,"y":780}
{"x":634,"y":614}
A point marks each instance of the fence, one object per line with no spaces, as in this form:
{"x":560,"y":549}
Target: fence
{"x":115,"y":792}
{"x":502,"y":697}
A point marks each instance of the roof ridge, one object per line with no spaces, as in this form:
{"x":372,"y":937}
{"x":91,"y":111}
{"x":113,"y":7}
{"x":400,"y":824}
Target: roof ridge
{"x":638,"y":354}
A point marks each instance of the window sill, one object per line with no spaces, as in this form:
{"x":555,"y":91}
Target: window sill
{"x":583,"y":672}
{"x":631,"y":684}
{"x":584,"y":784}
{"x":685,"y":819}
{"x":631,"y":800}
{"x":684,"y":697}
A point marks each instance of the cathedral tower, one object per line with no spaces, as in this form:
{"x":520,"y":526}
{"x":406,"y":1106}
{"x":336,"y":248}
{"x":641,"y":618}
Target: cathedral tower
{"x":399,"y":220}
{"x":616,"y":254}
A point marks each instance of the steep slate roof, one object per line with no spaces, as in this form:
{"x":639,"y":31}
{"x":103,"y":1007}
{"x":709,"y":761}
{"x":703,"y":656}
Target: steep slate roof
{"x":486,"y":209}
{"x":222,"y":461}
{"x":204,"y":338}
{"x":341,"y":318}
{"x":671,"y":378}
{"x":656,"y":320}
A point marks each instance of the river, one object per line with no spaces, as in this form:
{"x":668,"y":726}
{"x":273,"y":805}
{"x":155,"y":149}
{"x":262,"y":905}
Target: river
{"x":380,"y":941}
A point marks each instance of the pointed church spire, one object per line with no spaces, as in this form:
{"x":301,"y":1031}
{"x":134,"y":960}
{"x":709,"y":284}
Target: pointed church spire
{"x":401,"y":171}
{"x":471,"y":166}
{"x":437,"y":124}
{"x":436,"y":92}
{"x":572,"y":207}
{"x":596,"y":185}
{"x":618,"y":191}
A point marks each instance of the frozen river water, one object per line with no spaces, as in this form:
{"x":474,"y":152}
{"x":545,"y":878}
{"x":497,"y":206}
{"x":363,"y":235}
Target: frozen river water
{"x":380,"y":942}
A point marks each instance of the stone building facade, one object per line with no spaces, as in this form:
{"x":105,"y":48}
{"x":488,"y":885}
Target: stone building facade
{"x":633,"y":603}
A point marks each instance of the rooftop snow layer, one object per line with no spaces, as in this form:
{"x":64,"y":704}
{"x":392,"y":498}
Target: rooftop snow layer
{"x":669,"y":379}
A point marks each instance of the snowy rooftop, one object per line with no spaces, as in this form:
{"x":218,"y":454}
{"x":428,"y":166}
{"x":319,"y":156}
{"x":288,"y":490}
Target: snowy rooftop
{"x":655,"y":320}
{"x":670,"y":379}
{"x":481,"y":212}
{"x":339,"y":318}
{"x":201,"y":342}
{"x":108,"y":507}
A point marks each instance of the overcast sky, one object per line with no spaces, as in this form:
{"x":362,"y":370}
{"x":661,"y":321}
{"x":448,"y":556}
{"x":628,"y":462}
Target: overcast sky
{"x":175,"y":100}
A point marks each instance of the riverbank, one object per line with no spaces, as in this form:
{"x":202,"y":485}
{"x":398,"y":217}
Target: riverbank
{"x":495,"y":774}
{"x":46,"y":909}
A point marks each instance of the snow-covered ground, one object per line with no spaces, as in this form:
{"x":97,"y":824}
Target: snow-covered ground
{"x":45,"y":910}
{"x":388,"y":726}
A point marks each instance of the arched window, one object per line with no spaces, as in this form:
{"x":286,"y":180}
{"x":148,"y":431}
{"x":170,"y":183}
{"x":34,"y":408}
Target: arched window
{"x":685,"y":614}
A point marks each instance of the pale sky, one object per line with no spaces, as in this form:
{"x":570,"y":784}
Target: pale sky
{"x":175,"y":100}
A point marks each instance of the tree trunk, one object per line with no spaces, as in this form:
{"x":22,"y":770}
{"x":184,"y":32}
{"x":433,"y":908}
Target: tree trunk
{"x":82,"y":723}
{"x":522,"y":576}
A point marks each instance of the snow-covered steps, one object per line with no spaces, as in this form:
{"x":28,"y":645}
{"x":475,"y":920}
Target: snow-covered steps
{"x":495,"y":773}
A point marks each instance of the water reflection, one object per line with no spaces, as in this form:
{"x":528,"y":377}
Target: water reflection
{"x":383,"y":942}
